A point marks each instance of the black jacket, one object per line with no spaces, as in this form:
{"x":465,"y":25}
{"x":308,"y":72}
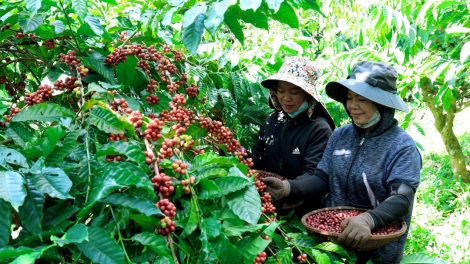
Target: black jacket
{"x":291,"y":147}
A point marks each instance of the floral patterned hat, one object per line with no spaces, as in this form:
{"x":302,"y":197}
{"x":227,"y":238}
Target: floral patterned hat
{"x":302,"y":73}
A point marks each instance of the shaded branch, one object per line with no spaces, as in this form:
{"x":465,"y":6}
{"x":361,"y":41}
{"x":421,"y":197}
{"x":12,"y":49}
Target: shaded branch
{"x":26,"y":59}
{"x":6,"y":141}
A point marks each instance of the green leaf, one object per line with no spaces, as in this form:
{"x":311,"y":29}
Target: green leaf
{"x":216,"y":15}
{"x":12,"y":188}
{"x":31,"y":211}
{"x":53,"y":135}
{"x":95,"y":24}
{"x":283,"y":256}
{"x":231,"y":20}
{"x":133,"y":202}
{"x":96,"y":62}
{"x":420,"y":258}
{"x":287,"y":15}
{"x":119,"y":221}
{"x":100,"y":247}
{"x":154,"y":242}
{"x":11,"y":252}
{"x":257,"y":18}
{"x":274,"y":4}
{"x":111,"y":177}
{"x":33,"y":5}
{"x":19,"y":133}
{"x":318,"y":256}
{"x":191,"y":15}
{"x":448,"y":99}
{"x":76,"y":234}
{"x":226,"y":252}
{"x":247,"y":4}
{"x":192,"y":34}
{"x":228,"y":185}
{"x":54,"y":182}
{"x":127,"y":71}
{"x":106,"y":120}
{"x":5,"y":224}
{"x":30,"y":23}
{"x":146,"y":222}
{"x":58,"y":25}
{"x":80,"y":8}
{"x":45,"y":112}
{"x":132,"y":151}
{"x":191,"y":222}
{"x":246,"y":204}
{"x":69,"y":144}
{"x":208,"y":189}
{"x":212,"y":227}
{"x":12,"y":156}
{"x":27,"y":259}
{"x":57,"y":214}
{"x":255,"y":243}
{"x":465,"y":52}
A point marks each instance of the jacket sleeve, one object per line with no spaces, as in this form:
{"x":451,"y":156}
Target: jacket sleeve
{"x":257,"y":152}
{"x":402,"y":182}
{"x":315,"y":185}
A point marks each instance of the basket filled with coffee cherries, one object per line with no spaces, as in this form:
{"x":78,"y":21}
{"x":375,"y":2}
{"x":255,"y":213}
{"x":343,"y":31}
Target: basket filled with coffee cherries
{"x":326,"y":223}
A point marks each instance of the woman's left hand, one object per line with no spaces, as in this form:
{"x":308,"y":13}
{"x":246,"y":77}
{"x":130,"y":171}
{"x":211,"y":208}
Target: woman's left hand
{"x":356,"y":230}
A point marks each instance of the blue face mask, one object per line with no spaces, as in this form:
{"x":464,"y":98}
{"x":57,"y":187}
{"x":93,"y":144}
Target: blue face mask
{"x":302,"y":108}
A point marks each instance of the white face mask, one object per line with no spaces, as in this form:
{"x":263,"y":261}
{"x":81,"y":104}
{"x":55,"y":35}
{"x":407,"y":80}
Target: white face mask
{"x":302,"y":108}
{"x":372,"y":121}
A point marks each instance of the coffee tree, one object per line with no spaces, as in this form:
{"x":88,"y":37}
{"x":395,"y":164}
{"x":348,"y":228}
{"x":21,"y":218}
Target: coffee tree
{"x":110,"y":152}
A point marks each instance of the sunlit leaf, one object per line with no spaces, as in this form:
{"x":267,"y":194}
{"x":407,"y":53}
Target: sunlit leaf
{"x":106,"y":120}
{"x":54,"y":182}
{"x":231,"y":20}
{"x":46,"y":112}
{"x":12,"y":188}
{"x":133,"y":202}
{"x":246,"y":204}
{"x":27,"y":259}
{"x":76,"y":234}
{"x":13,"y":157}
{"x":250,"y":4}
{"x":30,"y":23}
{"x":192,"y":34}
{"x":80,"y":7}
{"x":33,"y":5}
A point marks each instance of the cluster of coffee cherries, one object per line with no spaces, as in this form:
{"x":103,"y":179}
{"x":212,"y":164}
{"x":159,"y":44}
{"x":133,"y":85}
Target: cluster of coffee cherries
{"x":260,"y":258}
{"x":186,"y":183}
{"x":152,"y":131}
{"x":69,"y":84}
{"x":302,"y":258}
{"x":266,"y":200}
{"x":179,"y":167}
{"x":44,"y":93}
{"x":152,"y":99}
{"x":49,"y":44}
{"x":111,"y":158}
{"x":120,"y":105}
{"x":136,"y":119}
{"x":167,"y":225}
{"x":6,"y":26}
{"x":163,"y":184}
{"x":13,"y":112}
{"x":117,"y":137}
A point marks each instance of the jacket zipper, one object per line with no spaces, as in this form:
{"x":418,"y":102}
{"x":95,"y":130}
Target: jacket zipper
{"x":282,"y":136}
{"x":352,"y":163}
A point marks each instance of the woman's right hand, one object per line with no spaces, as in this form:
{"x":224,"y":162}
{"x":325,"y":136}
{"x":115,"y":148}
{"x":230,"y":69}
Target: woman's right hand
{"x":277,"y":188}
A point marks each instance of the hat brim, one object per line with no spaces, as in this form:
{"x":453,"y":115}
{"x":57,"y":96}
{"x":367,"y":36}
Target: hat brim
{"x":375,"y":94}
{"x":308,"y":88}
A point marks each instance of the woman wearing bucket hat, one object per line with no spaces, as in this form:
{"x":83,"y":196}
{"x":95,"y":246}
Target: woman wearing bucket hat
{"x":372,"y":163}
{"x":292,"y":139}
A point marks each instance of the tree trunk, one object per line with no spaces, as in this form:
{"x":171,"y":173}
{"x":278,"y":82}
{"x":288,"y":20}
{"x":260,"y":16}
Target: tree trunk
{"x":444,"y":123}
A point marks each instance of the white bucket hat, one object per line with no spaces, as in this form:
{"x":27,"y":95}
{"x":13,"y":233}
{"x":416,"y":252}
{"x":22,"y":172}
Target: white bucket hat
{"x":376,"y":81}
{"x":302,"y":73}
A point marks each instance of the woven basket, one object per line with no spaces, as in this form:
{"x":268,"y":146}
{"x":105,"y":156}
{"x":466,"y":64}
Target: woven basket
{"x":374,"y":242}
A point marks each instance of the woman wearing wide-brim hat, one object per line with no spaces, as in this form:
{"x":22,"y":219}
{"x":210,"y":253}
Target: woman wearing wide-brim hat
{"x":371,"y":163}
{"x":292,"y":139}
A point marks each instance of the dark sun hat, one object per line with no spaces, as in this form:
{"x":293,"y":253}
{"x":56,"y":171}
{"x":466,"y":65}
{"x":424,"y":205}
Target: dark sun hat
{"x":375,"y":81}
